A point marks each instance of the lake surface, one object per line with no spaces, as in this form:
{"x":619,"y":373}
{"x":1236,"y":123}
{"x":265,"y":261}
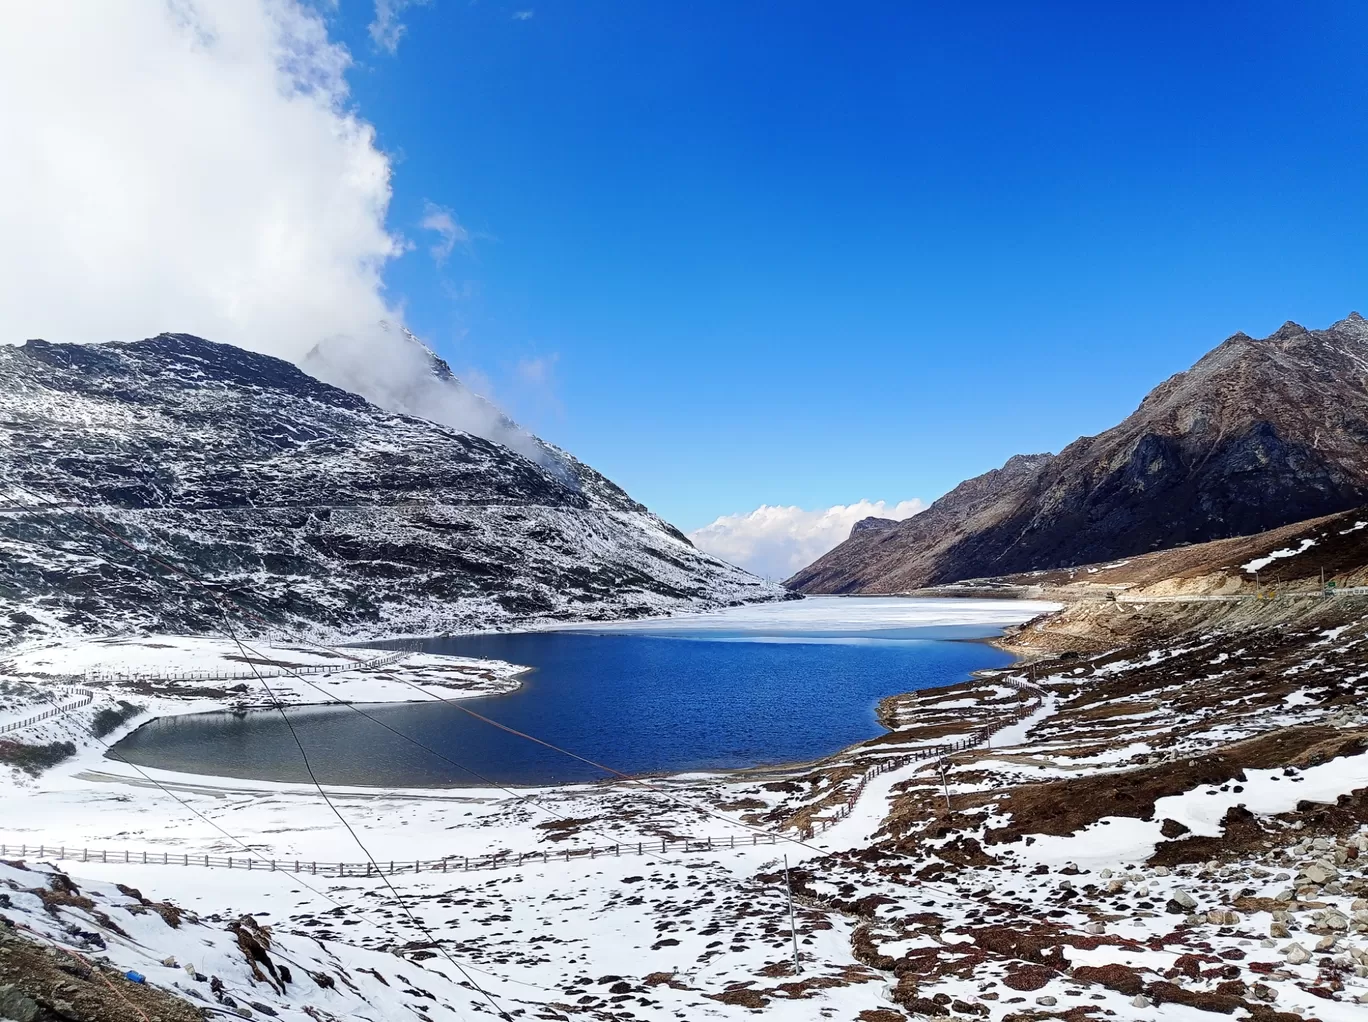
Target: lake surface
{"x":783,"y":683}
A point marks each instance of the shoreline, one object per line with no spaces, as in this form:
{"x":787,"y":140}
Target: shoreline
{"x":723,"y":774}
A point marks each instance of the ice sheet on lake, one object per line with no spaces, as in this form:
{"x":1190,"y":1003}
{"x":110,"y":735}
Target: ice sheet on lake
{"x":841,"y":614}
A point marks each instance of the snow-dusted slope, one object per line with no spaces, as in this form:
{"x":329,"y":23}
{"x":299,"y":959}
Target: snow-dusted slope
{"x":306,"y":501}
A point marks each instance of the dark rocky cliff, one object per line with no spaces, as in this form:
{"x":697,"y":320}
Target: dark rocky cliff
{"x":1257,"y":434}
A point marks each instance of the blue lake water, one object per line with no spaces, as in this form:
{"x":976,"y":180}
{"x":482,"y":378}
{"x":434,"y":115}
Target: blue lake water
{"x":717,"y":693}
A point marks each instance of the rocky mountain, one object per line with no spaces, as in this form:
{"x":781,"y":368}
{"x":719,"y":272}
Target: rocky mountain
{"x":873,"y":524}
{"x":312,"y":505}
{"x":1258,"y":434}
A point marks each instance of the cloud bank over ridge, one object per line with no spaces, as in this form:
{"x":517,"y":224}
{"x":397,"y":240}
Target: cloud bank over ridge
{"x":189,"y":166}
{"x":197,"y":166}
{"x":775,"y":542}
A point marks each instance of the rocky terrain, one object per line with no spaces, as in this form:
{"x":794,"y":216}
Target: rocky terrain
{"x":1258,"y":434}
{"x":1175,"y":825}
{"x":305,"y":502}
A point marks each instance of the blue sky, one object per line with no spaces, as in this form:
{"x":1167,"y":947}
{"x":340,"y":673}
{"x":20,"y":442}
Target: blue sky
{"x":738,"y":253}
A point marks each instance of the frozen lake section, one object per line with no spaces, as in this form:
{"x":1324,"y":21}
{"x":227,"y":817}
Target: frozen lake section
{"x":745,"y":687}
{"x":841,"y":615}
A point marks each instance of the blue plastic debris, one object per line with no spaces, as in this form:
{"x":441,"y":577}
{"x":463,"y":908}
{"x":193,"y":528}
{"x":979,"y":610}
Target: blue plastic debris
{"x":135,"y":977}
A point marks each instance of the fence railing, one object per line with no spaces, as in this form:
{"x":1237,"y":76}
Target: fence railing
{"x":447,"y":864}
{"x":55,"y":711}
{"x":97,"y":674}
{"x":974,"y":739}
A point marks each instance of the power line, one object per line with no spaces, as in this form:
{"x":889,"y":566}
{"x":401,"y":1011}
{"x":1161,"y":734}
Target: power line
{"x":303,"y":754}
{"x":418,"y":925}
{"x":309,"y":767}
{"x":221,"y":600}
{"x":520,"y":796}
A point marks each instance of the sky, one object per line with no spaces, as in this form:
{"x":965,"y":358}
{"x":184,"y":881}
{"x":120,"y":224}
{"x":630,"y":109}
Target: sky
{"x":760,"y":263}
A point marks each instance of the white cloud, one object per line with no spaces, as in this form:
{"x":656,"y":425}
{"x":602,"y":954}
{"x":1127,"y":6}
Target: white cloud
{"x":523,"y":15}
{"x":187,"y":166}
{"x":775,"y":542}
{"x":537,"y":371}
{"x":196,"y":166}
{"x":386,"y":30}
{"x":449,"y":231}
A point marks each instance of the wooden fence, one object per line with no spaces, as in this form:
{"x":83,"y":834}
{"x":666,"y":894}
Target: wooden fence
{"x":974,"y":739}
{"x":96,"y":674}
{"x":448,"y":864}
{"x":55,"y":711}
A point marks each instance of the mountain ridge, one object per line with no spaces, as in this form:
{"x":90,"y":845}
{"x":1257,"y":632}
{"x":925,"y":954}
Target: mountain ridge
{"x":1257,"y":434}
{"x":321,"y":509}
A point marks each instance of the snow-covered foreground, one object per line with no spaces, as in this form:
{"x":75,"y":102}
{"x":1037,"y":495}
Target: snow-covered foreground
{"x":531,"y":935}
{"x":1174,"y":831}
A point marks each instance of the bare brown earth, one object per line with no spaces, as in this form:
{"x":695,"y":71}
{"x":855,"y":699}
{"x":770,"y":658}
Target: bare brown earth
{"x":43,"y":983}
{"x":1152,"y":700}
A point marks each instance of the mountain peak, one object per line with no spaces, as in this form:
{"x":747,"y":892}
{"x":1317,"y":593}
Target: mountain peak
{"x":1288,"y":330}
{"x":1256,"y":435}
{"x":329,"y":511}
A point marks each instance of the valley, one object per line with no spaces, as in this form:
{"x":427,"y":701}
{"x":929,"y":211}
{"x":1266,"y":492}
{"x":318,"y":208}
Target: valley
{"x":1147,"y":801}
{"x":1150,"y":811}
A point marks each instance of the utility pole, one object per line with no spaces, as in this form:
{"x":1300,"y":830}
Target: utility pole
{"x":946,"y":784}
{"x":793,"y":927}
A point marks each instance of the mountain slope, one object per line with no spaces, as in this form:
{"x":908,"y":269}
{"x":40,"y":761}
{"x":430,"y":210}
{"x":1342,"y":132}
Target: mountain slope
{"x":1257,"y":434}
{"x":318,"y":508}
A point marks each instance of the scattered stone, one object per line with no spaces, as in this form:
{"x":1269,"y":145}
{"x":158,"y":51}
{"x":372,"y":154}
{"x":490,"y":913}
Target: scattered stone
{"x":17,"y":1006}
{"x":1320,"y":872}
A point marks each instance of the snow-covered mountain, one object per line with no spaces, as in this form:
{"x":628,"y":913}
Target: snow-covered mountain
{"x":307,"y":502}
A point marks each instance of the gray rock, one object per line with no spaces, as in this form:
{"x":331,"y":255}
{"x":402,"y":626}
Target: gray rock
{"x":16,"y":1005}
